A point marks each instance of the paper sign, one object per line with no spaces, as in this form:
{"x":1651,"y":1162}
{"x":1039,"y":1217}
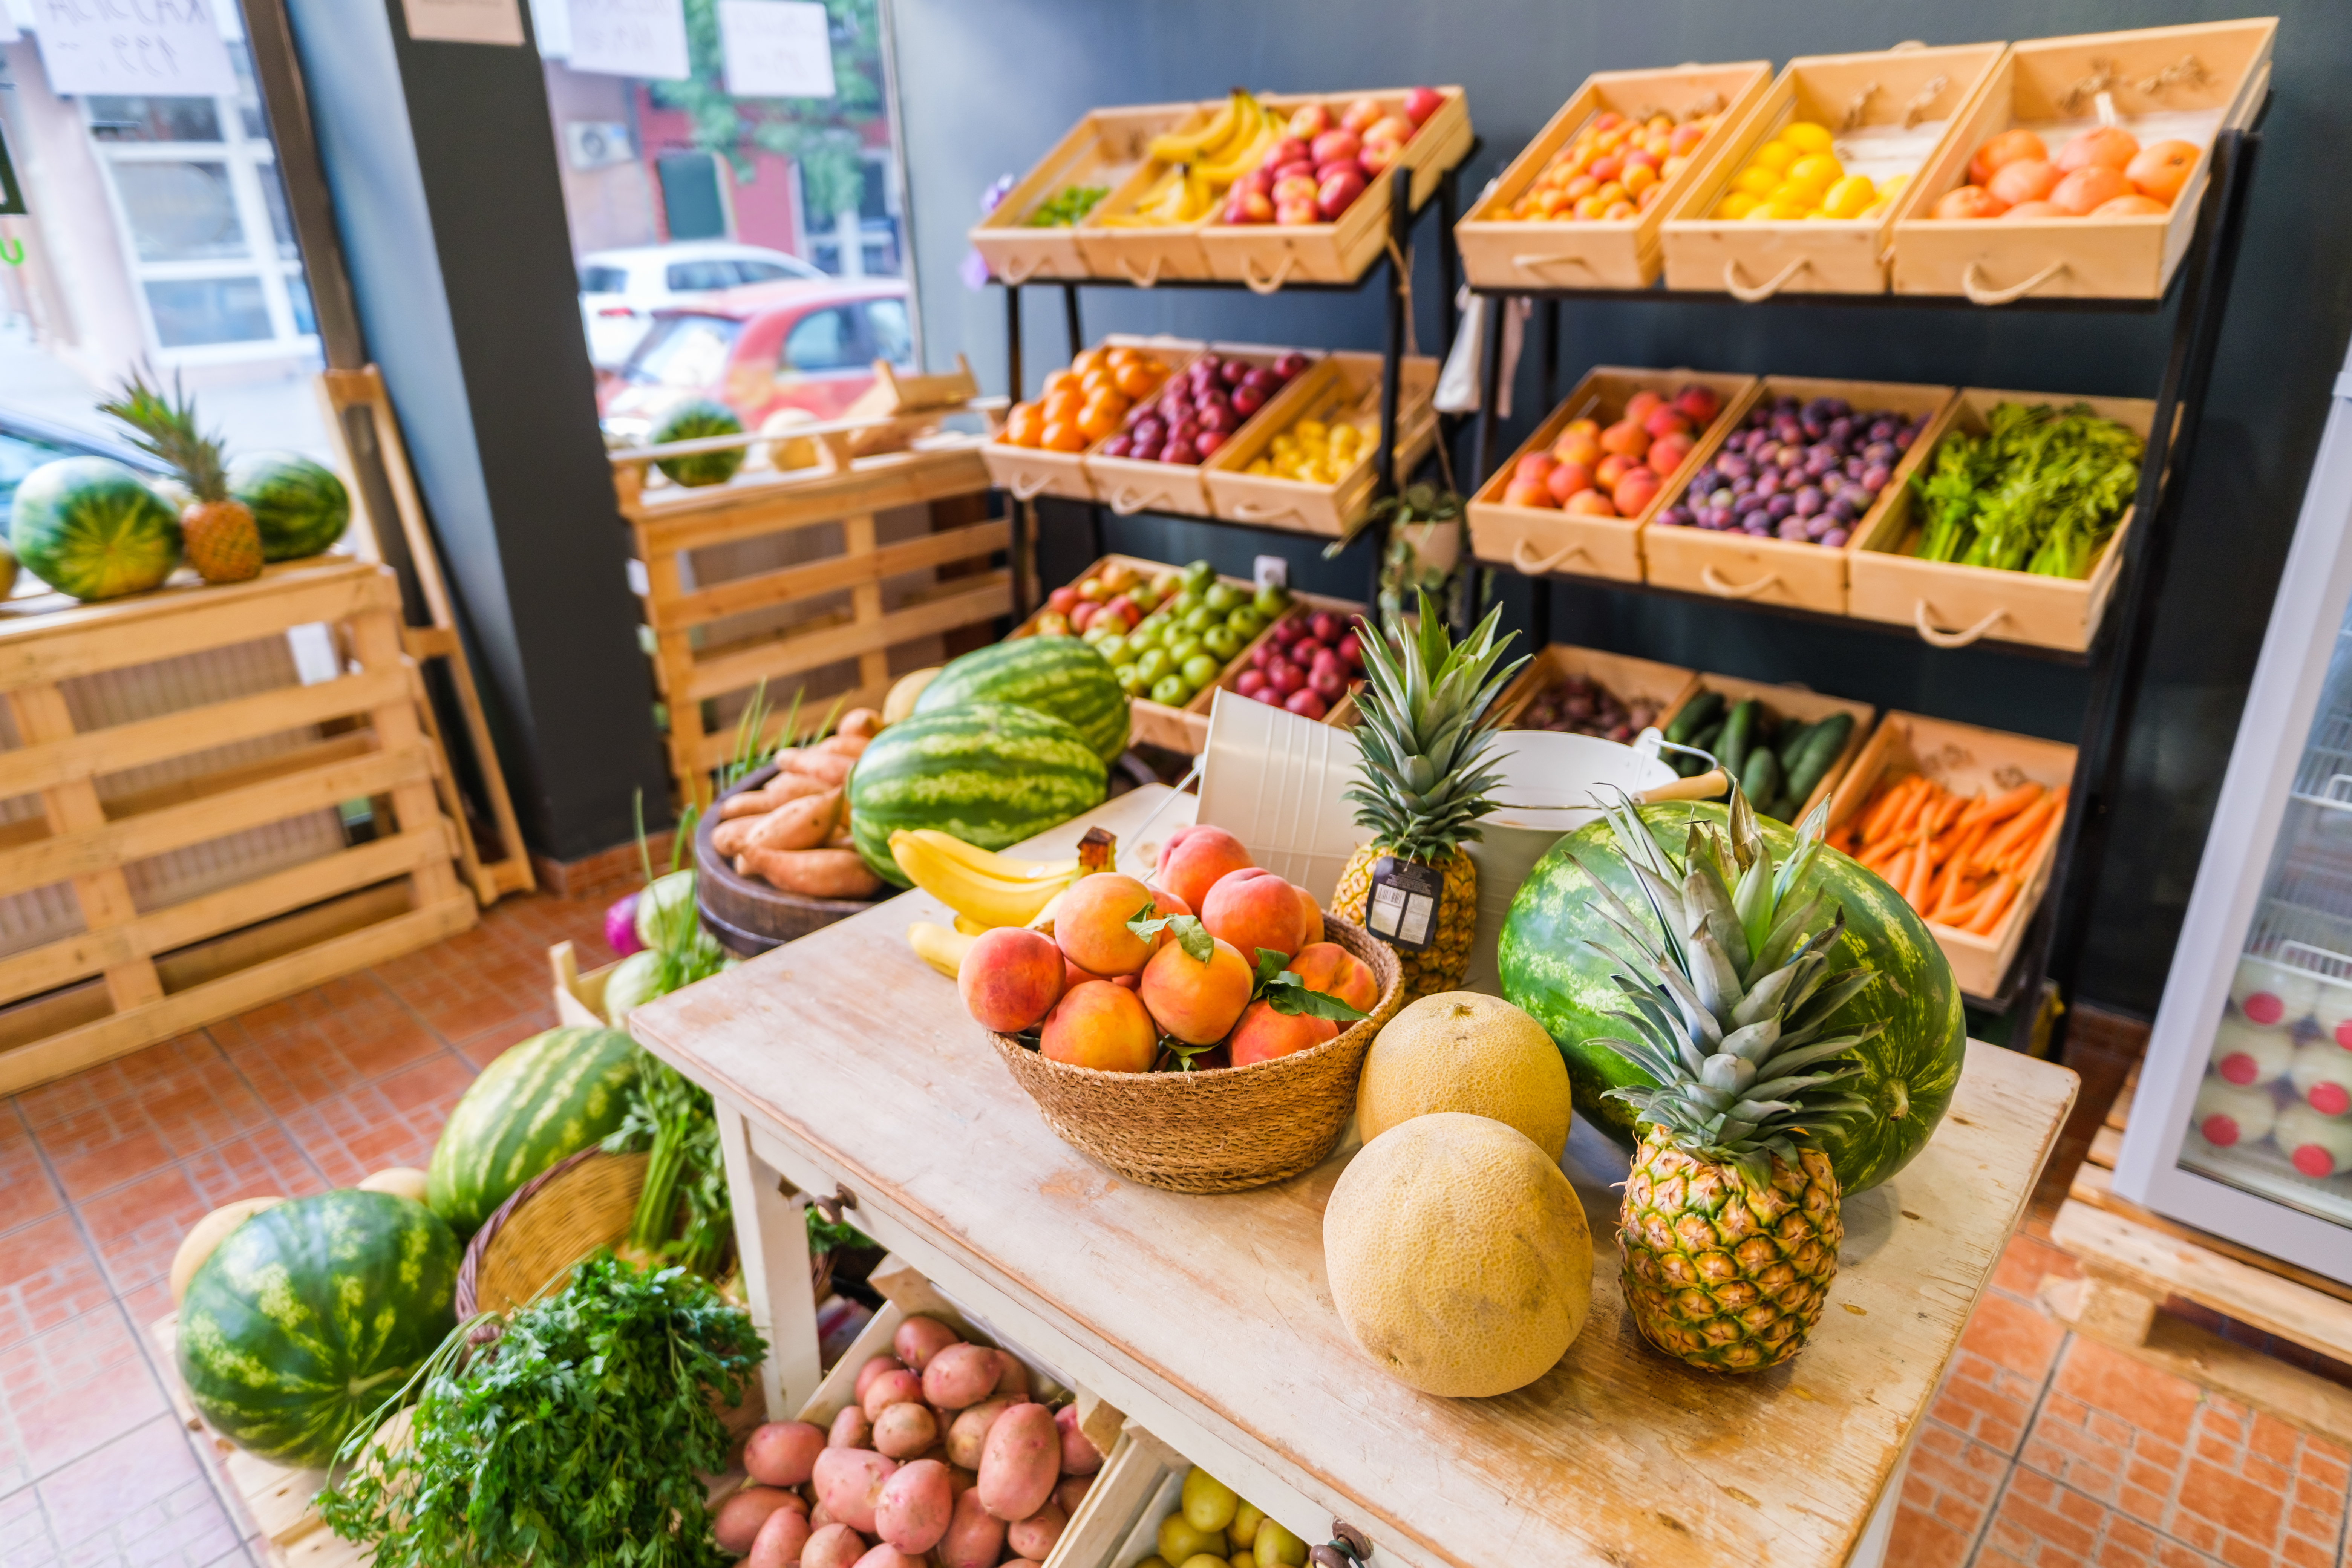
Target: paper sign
{"x":133,"y":47}
{"x":776,"y":48}
{"x":630,"y":37}
{"x":456,"y":21}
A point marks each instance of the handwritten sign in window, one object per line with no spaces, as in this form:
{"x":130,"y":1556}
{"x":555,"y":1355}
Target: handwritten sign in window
{"x":630,"y":37}
{"x":139,"y":48}
{"x":776,"y":48}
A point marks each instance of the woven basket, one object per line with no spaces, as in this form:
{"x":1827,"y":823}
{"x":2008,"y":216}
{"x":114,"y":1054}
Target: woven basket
{"x":1221,"y":1130}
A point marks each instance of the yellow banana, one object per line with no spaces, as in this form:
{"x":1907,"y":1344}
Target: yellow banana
{"x":967,"y":926}
{"x":988,"y":860}
{"x":1245,"y":158}
{"x":940,"y":948}
{"x":1173,"y":149}
{"x":986,"y":899}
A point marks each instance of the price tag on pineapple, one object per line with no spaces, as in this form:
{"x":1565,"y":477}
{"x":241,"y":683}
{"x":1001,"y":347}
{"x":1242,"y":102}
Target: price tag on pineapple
{"x":1403,"y":902}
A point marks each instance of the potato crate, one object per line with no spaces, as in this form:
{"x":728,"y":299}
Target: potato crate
{"x":1952,"y":606}
{"x":2186,"y":83}
{"x":136,"y":972}
{"x":1538,"y":540}
{"x":1343,"y":388}
{"x":1890,"y":112}
{"x":1630,"y":681}
{"x":1028,"y":472}
{"x":1789,"y":703}
{"x":1499,"y":251}
{"x":1104,"y":150}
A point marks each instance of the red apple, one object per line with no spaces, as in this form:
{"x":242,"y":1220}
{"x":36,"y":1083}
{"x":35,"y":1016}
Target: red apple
{"x":1305,"y":703}
{"x":1062,"y":601}
{"x":1288,"y":150}
{"x":1337,"y":147}
{"x":1284,"y":677}
{"x":1325,"y":626}
{"x":1666,"y":420}
{"x":1083,"y":616}
{"x":1389,"y":127}
{"x":1328,"y":684}
{"x":1297,"y":212}
{"x":1294,"y":188}
{"x":1302,"y":165}
{"x":1250,"y":682}
{"x":1364,"y":111}
{"x":1309,"y":123}
{"x":1423,"y":101}
{"x":1250,"y":205}
{"x":1378,"y":158}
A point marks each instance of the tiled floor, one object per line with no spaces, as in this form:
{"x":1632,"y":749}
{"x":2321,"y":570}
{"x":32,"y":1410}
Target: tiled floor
{"x":2041,"y":1450}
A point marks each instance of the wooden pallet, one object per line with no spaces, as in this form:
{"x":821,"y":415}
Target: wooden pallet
{"x":2134,"y":1261}
{"x":132,"y":977}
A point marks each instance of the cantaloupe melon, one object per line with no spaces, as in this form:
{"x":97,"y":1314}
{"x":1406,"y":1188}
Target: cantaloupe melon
{"x":400,"y":1181}
{"x":1458,"y":1256}
{"x":1460,"y":1051}
{"x":206,"y":1235}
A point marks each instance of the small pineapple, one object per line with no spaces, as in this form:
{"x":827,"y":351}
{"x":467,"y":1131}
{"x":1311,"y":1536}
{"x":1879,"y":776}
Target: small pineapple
{"x":217,"y":530}
{"x":1730,"y":1230}
{"x":1424,"y":735}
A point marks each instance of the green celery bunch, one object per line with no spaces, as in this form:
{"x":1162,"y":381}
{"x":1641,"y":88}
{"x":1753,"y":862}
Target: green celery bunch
{"x":2041,"y":492}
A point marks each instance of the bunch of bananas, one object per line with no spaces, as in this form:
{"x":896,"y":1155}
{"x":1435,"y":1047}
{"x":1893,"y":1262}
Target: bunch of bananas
{"x":985,"y":889}
{"x":1202,"y":163}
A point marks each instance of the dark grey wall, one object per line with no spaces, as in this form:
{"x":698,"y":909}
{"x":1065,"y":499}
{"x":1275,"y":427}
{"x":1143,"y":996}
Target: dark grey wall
{"x":986,"y":87}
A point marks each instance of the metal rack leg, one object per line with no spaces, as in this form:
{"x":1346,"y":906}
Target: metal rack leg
{"x":1490,"y":389}
{"x":1551,"y":353}
{"x":1449,"y":205}
{"x":1070,"y":318}
{"x":1384,"y":462}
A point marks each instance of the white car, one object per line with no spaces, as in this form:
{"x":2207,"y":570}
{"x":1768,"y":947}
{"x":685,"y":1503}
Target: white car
{"x":620,"y":290}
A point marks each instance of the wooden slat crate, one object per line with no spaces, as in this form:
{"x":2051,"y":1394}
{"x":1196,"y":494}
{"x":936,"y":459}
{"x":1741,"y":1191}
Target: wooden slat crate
{"x":1342,"y":388}
{"x":132,"y":977}
{"x":1788,"y":704}
{"x":1104,"y":150}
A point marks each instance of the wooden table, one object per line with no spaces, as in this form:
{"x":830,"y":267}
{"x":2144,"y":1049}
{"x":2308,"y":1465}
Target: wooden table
{"x":841,"y":1061}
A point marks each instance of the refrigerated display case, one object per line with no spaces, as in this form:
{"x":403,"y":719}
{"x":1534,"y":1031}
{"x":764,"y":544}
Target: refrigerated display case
{"x":2243,"y":1121}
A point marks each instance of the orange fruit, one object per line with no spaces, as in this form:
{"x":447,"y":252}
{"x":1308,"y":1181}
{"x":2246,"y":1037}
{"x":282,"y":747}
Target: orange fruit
{"x":1085,"y":360}
{"x":1135,"y":380}
{"x":1024,"y":426}
{"x":1061,"y":381}
{"x":1063,"y":406}
{"x":1063,"y":435}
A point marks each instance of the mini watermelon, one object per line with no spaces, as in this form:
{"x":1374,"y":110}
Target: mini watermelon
{"x":92,"y":527}
{"x":990,"y":773}
{"x":1057,"y":676}
{"x":1551,"y":969}
{"x":697,"y":421}
{"x":311,"y":1314}
{"x":552,"y":1095}
{"x":300,"y":506}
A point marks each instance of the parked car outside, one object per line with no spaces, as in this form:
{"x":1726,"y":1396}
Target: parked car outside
{"x":29,"y":440}
{"x":809,"y":346}
{"x":620,"y":290}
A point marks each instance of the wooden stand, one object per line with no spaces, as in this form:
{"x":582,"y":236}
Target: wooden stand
{"x":2134,"y":1261}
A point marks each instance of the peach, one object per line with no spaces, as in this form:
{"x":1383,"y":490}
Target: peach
{"x":1566,"y":478}
{"x":2009,"y":147}
{"x":1011,"y":979}
{"x":1328,"y":967}
{"x":2107,"y":147}
{"x":1592,"y":503}
{"x":1310,"y":915}
{"x":1635,"y":491}
{"x":1626,"y":439}
{"x":1610,"y":470}
{"x":1534,"y":468}
{"x":1255,"y":912}
{"x":1090,"y":924}
{"x":2026,"y":180}
{"x":2089,"y":186}
{"x":1581,"y":449}
{"x":2162,"y":169}
{"x":1588,"y":428}
{"x":1665,"y":419}
{"x":1193,"y":859}
{"x":1667,"y":452}
{"x":1102,"y":1027}
{"x":1527,"y":492}
{"x":1193,"y":1001}
{"x":1639,"y":406}
{"x":1263,"y":1033}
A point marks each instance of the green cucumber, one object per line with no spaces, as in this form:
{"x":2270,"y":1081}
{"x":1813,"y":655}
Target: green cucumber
{"x":1699,"y":711}
{"x":1823,"y":745}
{"x":1739,"y":733}
{"x":1759,"y":780}
{"x":1791,"y":740}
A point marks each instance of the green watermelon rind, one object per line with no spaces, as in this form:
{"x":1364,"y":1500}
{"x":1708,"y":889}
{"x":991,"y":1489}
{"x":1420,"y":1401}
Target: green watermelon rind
{"x":311,"y":1314}
{"x":990,"y":773}
{"x":1910,"y":1072}
{"x":697,"y":421}
{"x":91,"y":528}
{"x":550,"y":1096}
{"x":300,"y":507}
{"x":1057,"y":676}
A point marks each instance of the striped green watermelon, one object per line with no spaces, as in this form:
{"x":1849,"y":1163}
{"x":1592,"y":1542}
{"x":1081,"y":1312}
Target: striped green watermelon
{"x":696,"y":421}
{"x":990,"y":773}
{"x":311,"y":1314}
{"x":92,"y":527}
{"x":1909,"y":1073}
{"x":300,"y":506}
{"x":552,"y":1095}
{"x":1059,"y":676}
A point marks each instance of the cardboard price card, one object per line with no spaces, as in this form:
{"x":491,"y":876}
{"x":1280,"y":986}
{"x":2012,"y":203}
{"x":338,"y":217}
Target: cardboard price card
{"x":170,"y":49}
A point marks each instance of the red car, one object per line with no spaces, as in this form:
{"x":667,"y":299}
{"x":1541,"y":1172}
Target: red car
{"x":761,"y":348}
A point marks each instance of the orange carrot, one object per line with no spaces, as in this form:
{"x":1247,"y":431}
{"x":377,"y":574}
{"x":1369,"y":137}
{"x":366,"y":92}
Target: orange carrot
{"x":2024,"y":854}
{"x":1888,"y":806}
{"x":1913,"y":808}
{"x":1996,"y":904}
{"x":2017,"y":830}
{"x":1880,"y":856}
{"x":1922,"y":880}
{"x":1962,"y":909}
{"x":2004,"y":806}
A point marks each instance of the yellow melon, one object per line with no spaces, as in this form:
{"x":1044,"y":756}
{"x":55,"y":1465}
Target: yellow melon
{"x":1460,"y":1051}
{"x":206,"y":1235}
{"x":900,"y":701}
{"x":1458,"y":1256}
{"x":400,"y":1181}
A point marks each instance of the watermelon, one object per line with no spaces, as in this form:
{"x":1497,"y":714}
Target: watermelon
{"x":311,"y":1314}
{"x":696,"y":421}
{"x":553,"y":1095}
{"x":1550,"y":969}
{"x":300,"y":506}
{"x":92,"y":527}
{"x":1059,"y":676}
{"x":990,"y":773}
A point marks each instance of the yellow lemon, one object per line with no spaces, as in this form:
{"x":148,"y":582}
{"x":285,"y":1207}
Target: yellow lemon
{"x":1849,"y":196}
{"x":1735,"y":205}
{"x":1805,"y":136}
{"x":1756,"y":180}
{"x":1818,"y":170}
{"x":1760,"y":213}
{"x":1777,"y":153}
{"x":1792,"y":201}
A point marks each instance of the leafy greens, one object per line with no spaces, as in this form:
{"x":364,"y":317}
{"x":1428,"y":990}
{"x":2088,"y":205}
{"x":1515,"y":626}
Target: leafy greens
{"x":2041,"y":492}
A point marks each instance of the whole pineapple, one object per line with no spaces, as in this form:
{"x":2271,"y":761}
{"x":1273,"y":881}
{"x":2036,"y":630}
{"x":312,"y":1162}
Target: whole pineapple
{"x":217,"y":530}
{"x":1422,"y":788}
{"x":1730,"y":1229}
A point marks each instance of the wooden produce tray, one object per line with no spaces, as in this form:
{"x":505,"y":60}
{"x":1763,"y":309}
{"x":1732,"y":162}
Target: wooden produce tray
{"x":1965,"y":758}
{"x":1106,"y":148}
{"x":1733,"y":565}
{"x":579,"y":998}
{"x":1144,"y":256}
{"x":1502,"y":252}
{"x":1789,"y":702}
{"x":1540,"y":540}
{"x":1952,"y":606}
{"x":1627,"y":678}
{"x":1028,"y":472}
{"x":1344,"y":387}
{"x":1128,"y":486}
{"x":1341,"y":713}
{"x":1151,"y":723}
{"x":1904,"y":88}
{"x":2195,"y":80}
{"x":1266,"y":256}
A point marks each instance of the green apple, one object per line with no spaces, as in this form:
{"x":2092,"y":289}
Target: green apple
{"x":1221,"y":597}
{"x":1245,"y":623}
{"x":1200,"y":669}
{"x":1223,"y":641}
{"x":1170,"y":691}
{"x":1272,"y":600}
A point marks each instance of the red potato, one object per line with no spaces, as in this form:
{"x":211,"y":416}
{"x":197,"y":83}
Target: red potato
{"x":961,"y":1377}
{"x":833,"y":1546}
{"x":903,"y":1431}
{"x":919,"y":1339}
{"x":1079,"y":1455}
{"x":1022,"y":1462}
{"x":915,"y":1506}
{"x":849,"y":1482}
{"x":740,"y":1517}
{"x":968,"y":1434}
{"x":1035,"y":1536}
{"x":875,"y":1367}
{"x":961,"y":1480}
{"x":784,"y":1453}
{"x":891,"y":1388}
{"x":850,"y":1429}
{"x":889,"y":1556}
{"x":1014,"y":1378}
{"x":1072,"y":1492}
{"x":781,"y":1540}
{"x":820,"y":1516}
{"x":975,"y":1537}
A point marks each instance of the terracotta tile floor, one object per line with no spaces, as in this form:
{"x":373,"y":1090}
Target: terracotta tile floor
{"x":2041,"y":1451}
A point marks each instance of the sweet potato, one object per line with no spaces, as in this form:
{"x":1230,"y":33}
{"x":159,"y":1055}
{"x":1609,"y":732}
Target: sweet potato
{"x":1079,"y":1455}
{"x":742,"y":1517}
{"x":812,"y":873}
{"x":975,"y":1537}
{"x":802,"y":824}
{"x":961,"y":1377}
{"x":849,"y":1483}
{"x":968,"y":1434}
{"x":1033,"y":1536}
{"x":833,"y":1546}
{"x":915,"y":1506}
{"x":780,"y":1540}
{"x":864,"y":721}
{"x":759,"y":802}
{"x":919,"y":1339}
{"x":1021,"y":1461}
{"x":851,"y":1429}
{"x":842,"y":746}
{"x":832,"y":767}
{"x":905,"y":1430}
{"x":784,"y":1453}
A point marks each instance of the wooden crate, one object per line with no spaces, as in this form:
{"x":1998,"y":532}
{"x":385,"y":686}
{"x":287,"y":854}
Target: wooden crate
{"x":132,"y":977}
{"x":1106,"y":148}
{"x":1341,"y":713}
{"x":1629,"y":680}
{"x":1344,"y":387}
{"x":1144,"y":254}
{"x":1266,"y":256}
{"x":579,"y":998}
{"x":829,"y":517}
{"x":1735,"y":565}
{"x":1927,"y":90}
{"x":1952,"y":606}
{"x":1540,"y":539}
{"x":1965,"y":758}
{"x":1128,"y":486}
{"x":2193,"y":81}
{"x":1501,"y":252}
{"x":1028,"y":472}
{"x":1788,"y":702}
{"x":1150,"y":724}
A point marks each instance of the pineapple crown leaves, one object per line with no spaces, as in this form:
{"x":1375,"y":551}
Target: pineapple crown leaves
{"x":165,"y":428}
{"x":1426,"y":732}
